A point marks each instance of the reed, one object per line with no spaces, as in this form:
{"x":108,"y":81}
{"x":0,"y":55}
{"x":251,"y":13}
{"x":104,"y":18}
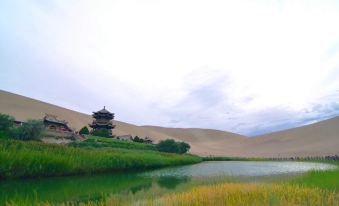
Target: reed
{"x":250,"y":194}
{"x":37,"y":159}
{"x":328,"y":179}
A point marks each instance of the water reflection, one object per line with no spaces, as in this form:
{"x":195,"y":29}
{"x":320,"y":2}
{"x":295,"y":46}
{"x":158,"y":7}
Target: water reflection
{"x":171,"y":182}
{"x":83,"y":188}
{"x":238,"y":168}
{"x":155,"y":182}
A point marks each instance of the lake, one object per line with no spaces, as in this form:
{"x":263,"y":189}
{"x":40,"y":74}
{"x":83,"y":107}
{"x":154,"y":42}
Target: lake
{"x":150,"y":183}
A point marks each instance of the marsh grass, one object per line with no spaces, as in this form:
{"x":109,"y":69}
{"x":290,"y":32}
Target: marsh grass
{"x":328,"y":179}
{"x":250,"y":194}
{"x":37,"y":159}
{"x":102,"y":142}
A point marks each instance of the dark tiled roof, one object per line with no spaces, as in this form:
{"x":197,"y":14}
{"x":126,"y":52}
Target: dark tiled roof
{"x":104,"y":111}
{"x":53,"y":118}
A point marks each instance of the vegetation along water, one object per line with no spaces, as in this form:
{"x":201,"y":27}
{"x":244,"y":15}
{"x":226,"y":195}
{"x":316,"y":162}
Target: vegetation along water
{"x":206,"y":183}
{"x":36,"y":159}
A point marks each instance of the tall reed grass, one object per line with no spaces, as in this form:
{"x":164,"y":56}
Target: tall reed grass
{"x":327,"y":179}
{"x":36,"y":159}
{"x":250,"y":194}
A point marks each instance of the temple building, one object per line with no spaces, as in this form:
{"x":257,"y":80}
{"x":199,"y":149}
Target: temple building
{"x":103,"y":120}
{"x":53,"y":124}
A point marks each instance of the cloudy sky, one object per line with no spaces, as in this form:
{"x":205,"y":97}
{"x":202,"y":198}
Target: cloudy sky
{"x":249,"y":67}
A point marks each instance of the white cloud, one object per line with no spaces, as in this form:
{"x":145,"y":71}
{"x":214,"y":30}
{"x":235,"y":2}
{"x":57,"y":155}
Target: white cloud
{"x":231,"y":63}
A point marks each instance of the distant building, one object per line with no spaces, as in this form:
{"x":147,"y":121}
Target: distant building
{"x":18,"y":123}
{"x":103,"y":120}
{"x":126,"y":137}
{"x":53,"y":124}
{"x":148,"y":140}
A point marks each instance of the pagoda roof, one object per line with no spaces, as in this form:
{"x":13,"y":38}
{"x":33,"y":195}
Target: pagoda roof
{"x":103,"y":111}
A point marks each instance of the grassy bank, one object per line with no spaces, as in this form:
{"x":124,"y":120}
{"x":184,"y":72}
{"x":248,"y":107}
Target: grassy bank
{"x":312,"y":188}
{"x":328,"y":179}
{"x":102,"y":142}
{"x":35,"y":159}
{"x":249,"y":194}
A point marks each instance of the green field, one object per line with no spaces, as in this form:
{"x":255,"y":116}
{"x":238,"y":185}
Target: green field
{"x":102,"y":142}
{"x":37,"y":159}
{"x":328,"y":180}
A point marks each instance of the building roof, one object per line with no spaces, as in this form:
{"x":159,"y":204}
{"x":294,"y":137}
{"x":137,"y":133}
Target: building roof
{"x":104,"y":111}
{"x":53,"y":118}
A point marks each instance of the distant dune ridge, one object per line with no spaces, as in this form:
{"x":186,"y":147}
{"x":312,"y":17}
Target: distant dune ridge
{"x":317,"y":139}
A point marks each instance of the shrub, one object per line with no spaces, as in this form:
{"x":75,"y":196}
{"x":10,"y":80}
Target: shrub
{"x":6,"y":123}
{"x":84,"y":130}
{"x":171,"y":146}
{"x":138,"y":139}
{"x":183,"y":147}
{"x":101,"y":133}
{"x":31,"y":130}
{"x":104,"y":143}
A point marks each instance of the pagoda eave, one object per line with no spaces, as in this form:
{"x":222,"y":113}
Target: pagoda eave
{"x":102,"y":126}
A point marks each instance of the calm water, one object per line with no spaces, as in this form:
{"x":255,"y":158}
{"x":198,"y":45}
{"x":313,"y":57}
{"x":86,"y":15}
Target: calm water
{"x":150,"y":183}
{"x":238,"y":168}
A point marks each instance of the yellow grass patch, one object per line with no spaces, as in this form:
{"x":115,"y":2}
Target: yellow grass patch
{"x":231,"y":194}
{"x":250,"y":194}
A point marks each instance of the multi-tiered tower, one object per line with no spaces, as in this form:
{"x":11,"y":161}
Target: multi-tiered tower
{"x":103,"y":120}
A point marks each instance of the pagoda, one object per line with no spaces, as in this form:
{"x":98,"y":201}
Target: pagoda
{"x":103,"y":120}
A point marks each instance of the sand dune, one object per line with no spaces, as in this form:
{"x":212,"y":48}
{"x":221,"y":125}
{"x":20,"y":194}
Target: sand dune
{"x":317,"y":139}
{"x":313,"y":140}
{"x":23,"y":108}
{"x":207,"y":141}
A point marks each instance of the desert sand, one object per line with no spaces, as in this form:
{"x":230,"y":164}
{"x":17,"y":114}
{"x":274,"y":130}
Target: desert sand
{"x":317,"y":139}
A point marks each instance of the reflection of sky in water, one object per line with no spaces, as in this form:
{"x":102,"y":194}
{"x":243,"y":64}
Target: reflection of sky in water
{"x":238,"y":168}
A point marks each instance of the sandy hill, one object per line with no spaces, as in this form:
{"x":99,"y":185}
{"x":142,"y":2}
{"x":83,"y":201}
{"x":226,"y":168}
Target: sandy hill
{"x":23,"y":108}
{"x":317,"y":139}
{"x":206,"y":141}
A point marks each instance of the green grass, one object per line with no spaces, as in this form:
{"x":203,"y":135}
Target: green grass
{"x":102,"y":142}
{"x":328,"y":179}
{"x":37,"y":159}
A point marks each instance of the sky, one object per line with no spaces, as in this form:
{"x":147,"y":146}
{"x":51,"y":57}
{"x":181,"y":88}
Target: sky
{"x":244,"y":66}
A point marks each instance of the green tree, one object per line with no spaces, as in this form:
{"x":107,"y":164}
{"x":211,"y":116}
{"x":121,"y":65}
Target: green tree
{"x":6,"y":122}
{"x":171,"y":146}
{"x":100,"y":133}
{"x":182,"y":147}
{"x":167,"y":145}
{"x":31,"y":130}
{"x":138,"y":139}
{"x":84,"y":130}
